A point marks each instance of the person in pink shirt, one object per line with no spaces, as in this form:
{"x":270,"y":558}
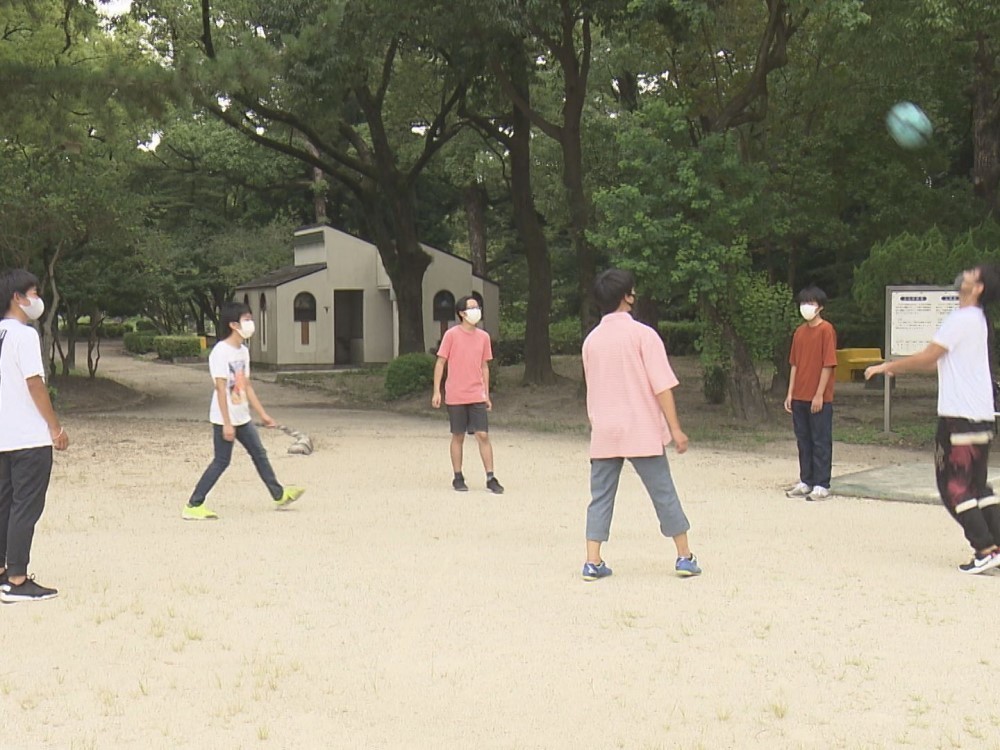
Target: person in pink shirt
{"x":467,"y":351}
{"x":632,"y":415}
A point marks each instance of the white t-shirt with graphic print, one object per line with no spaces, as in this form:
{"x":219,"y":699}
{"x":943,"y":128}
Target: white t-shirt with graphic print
{"x":965,"y":388}
{"x":233,"y":364}
{"x":21,"y":424}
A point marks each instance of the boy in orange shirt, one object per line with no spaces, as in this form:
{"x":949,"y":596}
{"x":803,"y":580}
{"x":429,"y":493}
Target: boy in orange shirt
{"x":810,"y":395}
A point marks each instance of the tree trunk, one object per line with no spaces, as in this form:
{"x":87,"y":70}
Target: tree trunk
{"x":69,"y":357}
{"x":537,"y":347}
{"x":746,"y":397}
{"x":579,"y":214}
{"x":318,"y":186}
{"x":986,"y":125}
{"x":475,"y":199}
{"x":94,"y":343}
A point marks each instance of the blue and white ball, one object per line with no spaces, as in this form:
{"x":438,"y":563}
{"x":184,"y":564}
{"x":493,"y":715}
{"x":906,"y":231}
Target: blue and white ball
{"x":909,"y":125}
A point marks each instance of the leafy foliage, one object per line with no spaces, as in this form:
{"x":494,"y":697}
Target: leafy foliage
{"x":409,"y":373}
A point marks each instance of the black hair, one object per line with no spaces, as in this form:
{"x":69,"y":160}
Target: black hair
{"x":989,"y":277}
{"x":230,"y":312}
{"x":463,"y":303}
{"x":612,"y":287}
{"x":812,"y":293}
{"x":15,"y":281}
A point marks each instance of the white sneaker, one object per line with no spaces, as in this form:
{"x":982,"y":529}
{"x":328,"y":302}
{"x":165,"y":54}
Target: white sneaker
{"x":800,"y":490}
{"x":818,"y":493}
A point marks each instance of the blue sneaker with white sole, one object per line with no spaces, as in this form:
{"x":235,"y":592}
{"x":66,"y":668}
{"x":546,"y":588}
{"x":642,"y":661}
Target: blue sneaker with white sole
{"x":687,"y":567}
{"x":592,"y":572}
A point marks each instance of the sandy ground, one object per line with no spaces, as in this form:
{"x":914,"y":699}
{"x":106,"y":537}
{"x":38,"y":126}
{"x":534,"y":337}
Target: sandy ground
{"x":387,"y":611}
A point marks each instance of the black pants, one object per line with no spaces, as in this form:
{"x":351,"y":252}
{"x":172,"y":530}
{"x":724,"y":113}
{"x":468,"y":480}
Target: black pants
{"x":814,"y":435}
{"x":961,"y":461}
{"x":24,"y":480}
{"x":248,"y":437}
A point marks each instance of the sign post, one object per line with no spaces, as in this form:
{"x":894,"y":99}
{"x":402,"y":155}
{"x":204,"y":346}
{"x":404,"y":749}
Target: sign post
{"x":912,"y":316}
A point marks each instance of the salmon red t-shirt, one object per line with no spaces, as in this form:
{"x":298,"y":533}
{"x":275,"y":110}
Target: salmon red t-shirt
{"x":465,"y":351}
{"x":626,"y":366}
{"x":813,"y":348}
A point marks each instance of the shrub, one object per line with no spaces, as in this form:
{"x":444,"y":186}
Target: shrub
{"x":408,"y":374}
{"x":139,"y":343}
{"x":508,"y":352}
{"x":680,"y":336}
{"x":174,"y":347}
{"x":109,"y":329}
{"x":142,"y":325}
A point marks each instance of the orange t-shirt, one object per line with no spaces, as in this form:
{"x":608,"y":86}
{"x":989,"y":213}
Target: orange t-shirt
{"x":813,"y":348}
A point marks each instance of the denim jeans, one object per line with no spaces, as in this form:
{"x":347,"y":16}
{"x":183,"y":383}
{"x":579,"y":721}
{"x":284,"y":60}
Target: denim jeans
{"x":814,"y":434}
{"x":248,"y":437}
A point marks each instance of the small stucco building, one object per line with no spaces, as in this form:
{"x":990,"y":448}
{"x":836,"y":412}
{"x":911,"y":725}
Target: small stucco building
{"x":335,"y":306}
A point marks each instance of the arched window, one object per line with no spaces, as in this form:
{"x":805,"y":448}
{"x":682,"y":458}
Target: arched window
{"x":304,"y":308}
{"x":263,"y":322}
{"x":304,"y":313}
{"x":444,"y":306}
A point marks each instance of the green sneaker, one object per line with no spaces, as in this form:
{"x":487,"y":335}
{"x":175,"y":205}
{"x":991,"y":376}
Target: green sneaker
{"x":289,"y":496}
{"x":198,"y":513}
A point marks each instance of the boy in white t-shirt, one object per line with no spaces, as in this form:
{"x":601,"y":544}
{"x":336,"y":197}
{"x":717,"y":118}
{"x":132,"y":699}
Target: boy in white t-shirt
{"x":960,"y":351}
{"x":29,"y":430}
{"x":229,"y":364}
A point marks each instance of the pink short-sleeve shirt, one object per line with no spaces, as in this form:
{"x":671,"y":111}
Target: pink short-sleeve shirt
{"x":626,"y":366}
{"x":466,"y":353}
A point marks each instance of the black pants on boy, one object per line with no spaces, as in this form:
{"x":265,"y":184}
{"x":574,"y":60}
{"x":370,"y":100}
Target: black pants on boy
{"x":961,"y":459}
{"x":814,"y":435}
{"x":24,"y":480}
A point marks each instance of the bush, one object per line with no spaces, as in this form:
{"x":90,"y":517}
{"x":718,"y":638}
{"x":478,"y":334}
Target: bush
{"x":408,"y":374}
{"x":142,"y":325}
{"x":174,"y":347}
{"x":508,"y":352}
{"x":109,"y":329}
{"x":680,"y":336}
{"x":139,"y":343}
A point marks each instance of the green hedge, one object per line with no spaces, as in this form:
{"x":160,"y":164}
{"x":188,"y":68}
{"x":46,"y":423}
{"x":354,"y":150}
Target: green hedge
{"x":142,"y":325}
{"x":110,"y":330}
{"x":139,"y":343}
{"x":680,"y":336}
{"x":174,"y":347}
{"x":410,"y":373}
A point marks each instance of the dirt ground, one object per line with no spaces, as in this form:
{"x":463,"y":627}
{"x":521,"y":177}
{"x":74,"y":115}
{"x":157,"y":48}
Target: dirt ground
{"x":386,"y":611}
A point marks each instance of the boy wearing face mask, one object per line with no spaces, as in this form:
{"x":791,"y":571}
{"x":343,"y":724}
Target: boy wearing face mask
{"x":810,"y":395}
{"x":229,"y":365}
{"x":29,"y":430}
{"x":467,"y":351}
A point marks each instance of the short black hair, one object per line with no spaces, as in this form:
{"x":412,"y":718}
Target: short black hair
{"x":463,"y":303}
{"x":612,"y":287}
{"x":812,"y":293}
{"x":231,"y":312}
{"x":15,"y":281}
{"x":989,"y":276}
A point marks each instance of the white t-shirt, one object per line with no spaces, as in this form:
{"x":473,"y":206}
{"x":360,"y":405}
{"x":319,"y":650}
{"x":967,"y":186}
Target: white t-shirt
{"x":233,"y":364}
{"x":21,"y":424}
{"x":964,"y":386}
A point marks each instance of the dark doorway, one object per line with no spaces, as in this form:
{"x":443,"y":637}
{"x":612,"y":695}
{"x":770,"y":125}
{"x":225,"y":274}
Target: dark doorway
{"x":348,"y":327}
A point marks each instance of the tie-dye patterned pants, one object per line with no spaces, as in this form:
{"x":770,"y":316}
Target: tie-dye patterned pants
{"x":961,"y":460}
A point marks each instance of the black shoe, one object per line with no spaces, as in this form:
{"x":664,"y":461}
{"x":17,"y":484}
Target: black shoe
{"x":459,"y":484}
{"x":494,"y":486}
{"x":29,"y":591}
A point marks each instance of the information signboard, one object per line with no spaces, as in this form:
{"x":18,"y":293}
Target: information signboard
{"x":914,"y":315}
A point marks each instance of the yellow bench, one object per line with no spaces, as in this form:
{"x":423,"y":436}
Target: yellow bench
{"x":851,"y":363}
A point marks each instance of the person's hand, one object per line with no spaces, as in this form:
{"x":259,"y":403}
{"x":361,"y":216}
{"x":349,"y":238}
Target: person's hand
{"x":874,"y":370}
{"x":680,"y":441}
{"x":436,"y":400}
{"x":267,"y":421}
{"x":489,"y":404}
{"x":60,"y":441}
{"x":788,"y":404}
{"x":228,"y":433}
{"x":817,"y":405}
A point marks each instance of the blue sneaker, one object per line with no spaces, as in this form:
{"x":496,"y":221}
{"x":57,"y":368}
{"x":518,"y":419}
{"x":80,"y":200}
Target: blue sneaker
{"x":687,"y":567}
{"x":592,"y":572}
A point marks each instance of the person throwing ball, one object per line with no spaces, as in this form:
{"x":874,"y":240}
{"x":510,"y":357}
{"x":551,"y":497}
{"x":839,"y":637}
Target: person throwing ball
{"x":632,"y":415}
{"x":960,"y":353}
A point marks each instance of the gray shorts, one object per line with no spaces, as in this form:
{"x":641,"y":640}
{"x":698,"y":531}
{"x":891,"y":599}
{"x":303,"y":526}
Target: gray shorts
{"x":468,"y":418}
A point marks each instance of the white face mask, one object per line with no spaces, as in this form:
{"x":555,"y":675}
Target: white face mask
{"x":35,"y":308}
{"x":473,"y":315}
{"x":247,"y":329}
{"x":808,"y":311}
